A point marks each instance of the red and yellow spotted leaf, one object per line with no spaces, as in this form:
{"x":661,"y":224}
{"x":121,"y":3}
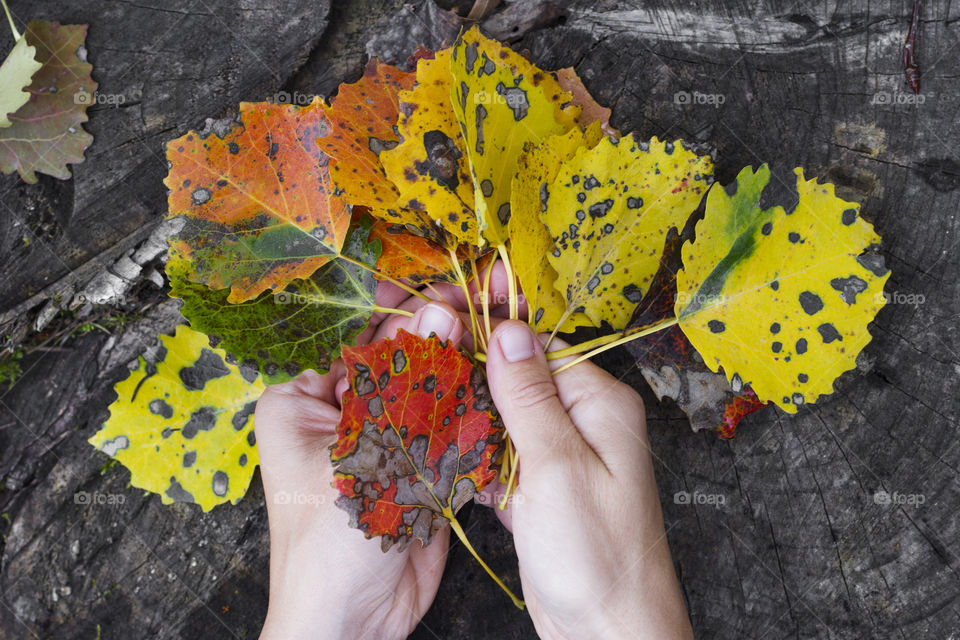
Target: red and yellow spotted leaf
{"x":259,"y":205}
{"x":418,"y":437}
{"x":364,"y":116}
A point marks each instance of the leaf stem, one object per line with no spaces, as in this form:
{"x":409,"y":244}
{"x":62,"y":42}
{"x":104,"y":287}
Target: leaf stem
{"x":640,"y":333}
{"x":512,"y":480}
{"x":486,"y":298}
{"x":13,"y":27}
{"x":457,"y":529}
{"x":511,"y":282}
{"x":381,"y":276}
{"x":478,"y":338}
{"x":399,"y":312}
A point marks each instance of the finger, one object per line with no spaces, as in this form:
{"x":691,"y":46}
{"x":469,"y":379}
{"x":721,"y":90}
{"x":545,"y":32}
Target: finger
{"x":526,"y":397}
{"x":490,"y":496}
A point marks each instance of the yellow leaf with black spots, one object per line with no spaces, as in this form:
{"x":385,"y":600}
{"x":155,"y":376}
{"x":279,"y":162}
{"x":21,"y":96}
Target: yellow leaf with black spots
{"x":430,"y":167}
{"x":779,"y":286}
{"x":182,"y":423}
{"x":530,"y":242}
{"x":502,"y":102}
{"x":609,"y":210}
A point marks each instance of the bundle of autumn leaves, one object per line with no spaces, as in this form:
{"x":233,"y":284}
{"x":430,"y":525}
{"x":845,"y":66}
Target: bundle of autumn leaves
{"x":292,"y":216}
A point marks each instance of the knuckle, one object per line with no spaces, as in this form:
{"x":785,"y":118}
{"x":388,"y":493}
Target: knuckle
{"x":532,"y":392}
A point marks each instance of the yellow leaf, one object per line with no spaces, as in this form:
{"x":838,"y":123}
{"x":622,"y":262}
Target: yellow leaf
{"x":530,"y":242}
{"x":183,"y":423}
{"x":609,"y":210}
{"x":430,"y":167}
{"x":780,"y":297}
{"x":502,"y":102}
{"x":15,"y":74}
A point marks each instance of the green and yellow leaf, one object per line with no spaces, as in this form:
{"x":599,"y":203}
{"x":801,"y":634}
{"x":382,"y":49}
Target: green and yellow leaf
{"x":502,"y":102}
{"x":284,"y":332}
{"x":15,"y":74}
{"x":258,"y":203}
{"x":182,"y":423}
{"x":780,"y":296}
{"x":430,"y":167}
{"x":530,"y":241}
{"x":609,"y":210}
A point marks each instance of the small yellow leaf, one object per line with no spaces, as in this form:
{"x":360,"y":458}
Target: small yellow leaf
{"x":502,"y":101}
{"x":780,"y":297}
{"x":430,"y":167}
{"x":15,"y":76}
{"x":530,"y":241}
{"x":183,"y":423}
{"x":609,"y":210}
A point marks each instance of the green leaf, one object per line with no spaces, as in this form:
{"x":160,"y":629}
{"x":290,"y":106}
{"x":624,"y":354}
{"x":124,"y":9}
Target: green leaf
{"x":780,"y":295}
{"x":300,"y":327}
{"x":182,"y":423}
{"x":609,"y":210}
{"x":15,"y":74}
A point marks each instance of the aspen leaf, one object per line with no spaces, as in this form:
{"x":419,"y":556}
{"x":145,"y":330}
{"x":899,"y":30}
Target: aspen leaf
{"x":410,"y":257}
{"x":418,"y":437}
{"x":259,"y":206}
{"x":364,"y":114}
{"x":780,"y":294}
{"x":430,"y":166}
{"x":15,"y":74}
{"x":591,"y":111}
{"x":530,"y":241}
{"x":609,"y":210}
{"x":502,"y":102}
{"x":45,"y":132}
{"x":299,"y":327}
{"x":182,"y":423}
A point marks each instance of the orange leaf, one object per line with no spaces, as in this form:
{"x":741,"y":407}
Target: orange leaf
{"x":259,"y":205}
{"x":365,"y":115}
{"x":592,"y":111}
{"x":409,"y":257}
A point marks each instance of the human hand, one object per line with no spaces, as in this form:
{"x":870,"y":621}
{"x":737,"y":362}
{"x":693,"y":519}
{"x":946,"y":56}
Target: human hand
{"x":585,"y":517}
{"x":325,"y":580}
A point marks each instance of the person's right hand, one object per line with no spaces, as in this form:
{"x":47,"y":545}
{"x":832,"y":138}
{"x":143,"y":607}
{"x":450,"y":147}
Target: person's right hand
{"x":586,"y":519}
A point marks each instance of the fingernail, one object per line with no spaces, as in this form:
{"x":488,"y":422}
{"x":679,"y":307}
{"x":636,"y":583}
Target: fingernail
{"x":435,"y":319}
{"x":516,"y":342}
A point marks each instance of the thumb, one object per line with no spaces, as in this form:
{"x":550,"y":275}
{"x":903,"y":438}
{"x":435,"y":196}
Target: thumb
{"x":526,"y":397}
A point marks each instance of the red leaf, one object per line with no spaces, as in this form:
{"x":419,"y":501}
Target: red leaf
{"x":417,"y":438}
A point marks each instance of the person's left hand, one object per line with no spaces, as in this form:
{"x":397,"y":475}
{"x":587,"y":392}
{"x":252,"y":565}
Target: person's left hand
{"x":326,"y":580}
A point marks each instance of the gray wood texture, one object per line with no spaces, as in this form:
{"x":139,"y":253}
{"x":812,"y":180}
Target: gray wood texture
{"x":788,"y":534}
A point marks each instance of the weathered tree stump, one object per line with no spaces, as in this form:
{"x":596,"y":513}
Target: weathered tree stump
{"x":799,"y":541}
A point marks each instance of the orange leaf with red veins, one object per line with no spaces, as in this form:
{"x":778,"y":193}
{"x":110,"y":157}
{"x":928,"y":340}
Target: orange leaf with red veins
{"x":417,"y":438}
{"x":259,"y":204}
{"x":364,"y":114}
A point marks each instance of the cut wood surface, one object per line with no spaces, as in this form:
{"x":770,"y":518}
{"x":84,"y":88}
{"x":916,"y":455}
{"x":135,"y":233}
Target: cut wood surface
{"x":839,"y":522}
